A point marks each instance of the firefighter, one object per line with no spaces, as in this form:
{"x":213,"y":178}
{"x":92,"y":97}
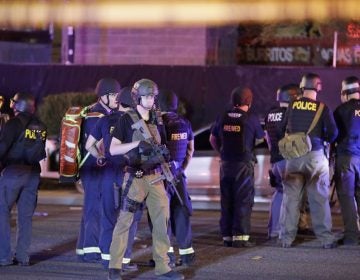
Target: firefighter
{"x":347,"y":163}
{"x":87,"y":247}
{"x":233,"y":136}
{"x":310,"y":171}
{"x":98,"y":144}
{"x":180,"y":141}
{"x":142,"y":181}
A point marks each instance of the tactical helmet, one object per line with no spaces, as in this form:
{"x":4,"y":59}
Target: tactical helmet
{"x":143,"y":87}
{"x":350,"y":85}
{"x":106,"y":86}
{"x":23,"y":102}
{"x":310,"y":81}
{"x":287,"y":93}
{"x":241,"y":96}
{"x":168,"y":101}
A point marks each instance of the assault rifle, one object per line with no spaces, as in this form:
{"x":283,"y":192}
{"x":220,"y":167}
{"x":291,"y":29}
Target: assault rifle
{"x":159,"y":151}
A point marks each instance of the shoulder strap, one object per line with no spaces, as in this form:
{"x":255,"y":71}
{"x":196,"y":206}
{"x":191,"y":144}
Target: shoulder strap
{"x":316,"y":118}
{"x":133,"y":115}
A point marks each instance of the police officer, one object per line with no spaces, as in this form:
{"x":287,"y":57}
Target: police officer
{"x":233,"y":136}
{"x":180,"y":141}
{"x":98,"y":144}
{"x":3,"y":117}
{"x":309,"y":172}
{"x":87,"y":247}
{"x":347,"y":164}
{"x":275,"y":130}
{"x":141,"y":181}
{"x":22,"y":146}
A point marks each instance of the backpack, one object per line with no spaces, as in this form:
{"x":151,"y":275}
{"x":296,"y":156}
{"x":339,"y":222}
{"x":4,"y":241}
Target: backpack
{"x":295,"y":145}
{"x":29,"y":148}
{"x":70,"y":159}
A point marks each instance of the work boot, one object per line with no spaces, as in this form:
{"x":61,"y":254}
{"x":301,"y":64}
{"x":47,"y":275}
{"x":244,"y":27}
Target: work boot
{"x":243,"y":244}
{"x":171,"y":275}
{"x":330,"y":245}
{"x":129,"y":267}
{"x":172,"y":259}
{"x":186,"y":260}
{"x":114,"y":274}
{"x":228,"y":243}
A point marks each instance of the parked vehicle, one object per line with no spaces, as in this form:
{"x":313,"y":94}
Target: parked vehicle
{"x":203,"y":169}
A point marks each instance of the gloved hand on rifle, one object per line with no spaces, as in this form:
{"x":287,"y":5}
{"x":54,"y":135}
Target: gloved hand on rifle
{"x":145,"y":148}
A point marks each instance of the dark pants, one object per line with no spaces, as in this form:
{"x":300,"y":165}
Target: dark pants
{"x":237,"y":197}
{"x":18,"y":184}
{"x":109,"y":216}
{"x":87,"y":247}
{"x":348,"y":191}
{"x":180,"y":225}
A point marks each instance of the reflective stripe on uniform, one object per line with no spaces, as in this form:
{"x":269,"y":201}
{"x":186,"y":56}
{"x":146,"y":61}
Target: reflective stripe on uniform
{"x":79,"y":252}
{"x":126,"y":260}
{"x":186,"y":251}
{"x":241,"y":238}
{"x":227,"y":238}
{"x":105,"y":257}
{"x":171,"y":250}
{"x":88,"y":250}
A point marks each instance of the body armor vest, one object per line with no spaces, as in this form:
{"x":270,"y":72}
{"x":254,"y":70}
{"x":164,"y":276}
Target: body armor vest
{"x":233,"y":135}
{"x":177,"y":135}
{"x":275,"y":126}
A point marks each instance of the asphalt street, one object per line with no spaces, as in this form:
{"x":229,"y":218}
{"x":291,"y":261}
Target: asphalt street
{"x":55,"y":229}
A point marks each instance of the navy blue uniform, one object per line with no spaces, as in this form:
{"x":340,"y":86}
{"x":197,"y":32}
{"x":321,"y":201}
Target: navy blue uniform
{"x":347,"y":168}
{"x":87,"y":247}
{"x":178,"y":135}
{"x":236,"y":131}
{"x":113,"y":174}
{"x":275,"y":126}
{"x":309,"y":172}
{"x":19,"y":183}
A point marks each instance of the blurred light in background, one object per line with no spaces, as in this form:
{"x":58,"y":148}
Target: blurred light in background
{"x":137,"y":13}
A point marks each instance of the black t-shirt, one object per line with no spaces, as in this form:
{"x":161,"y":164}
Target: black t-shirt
{"x":237,"y":131}
{"x":126,"y":134}
{"x":347,"y":118}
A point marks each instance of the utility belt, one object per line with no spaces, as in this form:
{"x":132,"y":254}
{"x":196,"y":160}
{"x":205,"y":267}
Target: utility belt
{"x":139,"y":173}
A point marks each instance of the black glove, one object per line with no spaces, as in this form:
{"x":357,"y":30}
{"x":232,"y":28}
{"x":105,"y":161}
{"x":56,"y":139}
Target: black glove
{"x":145,"y":148}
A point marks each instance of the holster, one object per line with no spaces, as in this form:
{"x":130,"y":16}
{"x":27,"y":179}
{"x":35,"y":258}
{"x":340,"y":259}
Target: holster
{"x":117,"y":195}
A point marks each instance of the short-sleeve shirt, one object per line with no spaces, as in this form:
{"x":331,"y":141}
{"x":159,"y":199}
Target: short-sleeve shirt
{"x":103,"y":130}
{"x":236,"y":131}
{"x":86,"y":129}
{"x":347,"y":118}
